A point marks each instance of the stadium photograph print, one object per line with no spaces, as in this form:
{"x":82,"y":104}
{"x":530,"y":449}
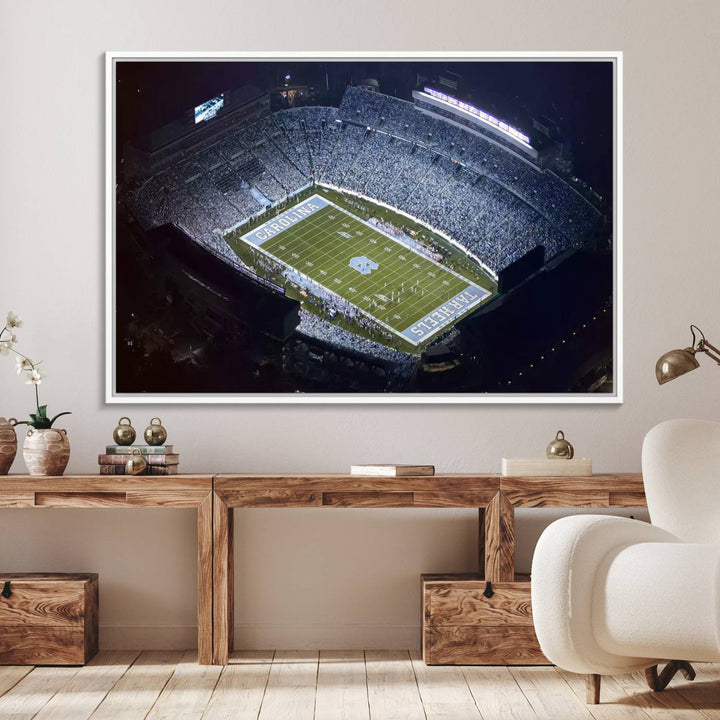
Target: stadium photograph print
{"x":373,"y":227}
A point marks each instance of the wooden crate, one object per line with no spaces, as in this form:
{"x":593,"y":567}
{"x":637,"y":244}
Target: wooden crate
{"x":48,"y":618}
{"x":463,"y":627}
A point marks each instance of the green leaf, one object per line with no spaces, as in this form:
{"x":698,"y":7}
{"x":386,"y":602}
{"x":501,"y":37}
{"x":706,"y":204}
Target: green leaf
{"x":42,"y":411}
{"x":67,"y":412}
{"x":34,"y":418}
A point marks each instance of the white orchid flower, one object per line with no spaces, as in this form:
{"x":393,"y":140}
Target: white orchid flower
{"x":23,"y":364}
{"x":13,"y":320}
{"x":35,"y":377}
{"x":28,"y":370}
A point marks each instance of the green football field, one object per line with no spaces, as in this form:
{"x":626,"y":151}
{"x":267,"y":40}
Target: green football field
{"x":405,"y":292}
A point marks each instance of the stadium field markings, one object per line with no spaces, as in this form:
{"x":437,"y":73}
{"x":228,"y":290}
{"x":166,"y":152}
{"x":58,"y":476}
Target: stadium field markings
{"x":318,"y":240}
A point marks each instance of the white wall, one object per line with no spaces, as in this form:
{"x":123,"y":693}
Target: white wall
{"x":312,"y":576}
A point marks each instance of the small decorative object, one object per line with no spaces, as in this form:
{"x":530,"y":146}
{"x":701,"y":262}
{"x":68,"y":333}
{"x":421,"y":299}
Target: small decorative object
{"x":8,"y":444}
{"x":560,"y":448}
{"x":136,"y":463}
{"x":124,"y":433}
{"x":46,"y":450}
{"x":678,"y":362}
{"x":155,"y":433}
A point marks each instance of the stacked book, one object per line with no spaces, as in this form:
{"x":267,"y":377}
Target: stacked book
{"x":160,"y":459}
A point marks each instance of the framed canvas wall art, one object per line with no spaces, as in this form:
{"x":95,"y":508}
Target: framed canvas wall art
{"x":364,"y":228}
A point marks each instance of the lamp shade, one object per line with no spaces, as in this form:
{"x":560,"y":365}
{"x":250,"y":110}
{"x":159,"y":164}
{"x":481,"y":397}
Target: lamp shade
{"x":675,"y":363}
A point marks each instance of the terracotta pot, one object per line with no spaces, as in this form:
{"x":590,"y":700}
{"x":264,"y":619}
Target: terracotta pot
{"x":46,"y":452}
{"x":8,"y":444}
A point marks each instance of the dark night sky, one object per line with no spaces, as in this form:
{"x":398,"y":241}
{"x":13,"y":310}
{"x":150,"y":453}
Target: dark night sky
{"x":577,"y":95}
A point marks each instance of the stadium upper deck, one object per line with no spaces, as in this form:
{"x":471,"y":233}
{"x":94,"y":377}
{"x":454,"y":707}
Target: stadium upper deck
{"x":486,"y":198}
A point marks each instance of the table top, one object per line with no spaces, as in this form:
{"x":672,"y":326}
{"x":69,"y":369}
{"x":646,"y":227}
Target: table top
{"x":25,"y":491}
{"x":323,"y":490}
{"x":607,"y":490}
{"x":80,"y":483}
{"x":442,"y":490}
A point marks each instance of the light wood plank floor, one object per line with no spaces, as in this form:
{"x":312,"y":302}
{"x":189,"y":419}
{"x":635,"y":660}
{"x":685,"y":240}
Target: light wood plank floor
{"x":349,"y":685}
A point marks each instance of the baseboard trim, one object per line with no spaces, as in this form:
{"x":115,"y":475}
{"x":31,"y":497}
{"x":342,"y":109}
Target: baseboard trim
{"x":148,"y":637}
{"x":327,"y":637}
{"x":254,"y":636}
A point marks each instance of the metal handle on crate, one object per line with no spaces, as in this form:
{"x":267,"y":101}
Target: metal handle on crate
{"x":488,"y":592}
{"x":6,"y":592}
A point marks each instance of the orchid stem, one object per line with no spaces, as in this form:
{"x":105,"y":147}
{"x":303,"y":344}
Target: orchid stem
{"x":32,"y":367}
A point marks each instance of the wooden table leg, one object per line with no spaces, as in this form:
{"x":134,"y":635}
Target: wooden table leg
{"x":481,"y":541}
{"x":205,"y":580}
{"x":223,"y":581}
{"x":499,"y":519}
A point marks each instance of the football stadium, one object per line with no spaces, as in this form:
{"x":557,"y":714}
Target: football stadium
{"x":404,"y":241}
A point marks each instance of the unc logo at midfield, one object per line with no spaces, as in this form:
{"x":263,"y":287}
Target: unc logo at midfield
{"x":363,"y":265}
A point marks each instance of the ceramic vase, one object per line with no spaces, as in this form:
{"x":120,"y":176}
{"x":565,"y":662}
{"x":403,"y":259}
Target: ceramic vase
{"x":46,"y":452}
{"x":8,"y":444}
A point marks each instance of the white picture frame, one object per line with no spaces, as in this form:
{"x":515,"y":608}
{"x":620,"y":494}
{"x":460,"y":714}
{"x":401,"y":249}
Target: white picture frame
{"x":114,"y":395}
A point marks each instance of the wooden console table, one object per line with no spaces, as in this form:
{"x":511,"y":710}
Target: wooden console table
{"x":215,"y":498}
{"x":495,"y":497}
{"x":93,"y":491}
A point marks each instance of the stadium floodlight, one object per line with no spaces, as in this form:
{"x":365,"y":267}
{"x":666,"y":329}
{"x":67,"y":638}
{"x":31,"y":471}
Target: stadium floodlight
{"x":678,"y":362}
{"x":477,"y":112}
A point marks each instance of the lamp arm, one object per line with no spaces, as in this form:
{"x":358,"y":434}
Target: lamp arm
{"x":710,"y":350}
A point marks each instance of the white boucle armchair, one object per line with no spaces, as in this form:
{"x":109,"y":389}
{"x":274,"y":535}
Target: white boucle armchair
{"x":613,"y":595}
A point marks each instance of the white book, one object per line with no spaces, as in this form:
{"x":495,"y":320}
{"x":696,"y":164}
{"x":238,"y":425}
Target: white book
{"x":392,"y":470}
